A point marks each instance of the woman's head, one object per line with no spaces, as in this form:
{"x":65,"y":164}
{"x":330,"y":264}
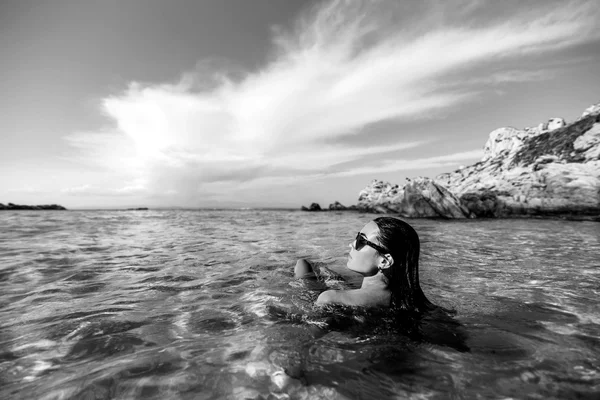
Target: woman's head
{"x":365,"y":254}
{"x":392,"y":247}
{"x":402,"y":242}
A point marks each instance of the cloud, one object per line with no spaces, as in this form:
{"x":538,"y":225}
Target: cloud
{"x":511,"y":76}
{"x":108,"y":149}
{"x":345,"y":66}
{"x":395,"y":165}
{"x":289,"y":189}
{"x":448,"y":160}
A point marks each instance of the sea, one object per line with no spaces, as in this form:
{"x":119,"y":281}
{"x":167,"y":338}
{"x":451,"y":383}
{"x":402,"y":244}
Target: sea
{"x":203,"y":304}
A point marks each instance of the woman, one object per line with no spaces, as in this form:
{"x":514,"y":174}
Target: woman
{"x":386,"y":253}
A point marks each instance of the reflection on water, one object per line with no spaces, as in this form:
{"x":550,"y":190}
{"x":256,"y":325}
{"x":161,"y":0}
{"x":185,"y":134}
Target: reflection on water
{"x":203,"y":305}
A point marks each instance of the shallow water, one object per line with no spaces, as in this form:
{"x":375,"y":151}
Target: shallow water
{"x":203,"y":305}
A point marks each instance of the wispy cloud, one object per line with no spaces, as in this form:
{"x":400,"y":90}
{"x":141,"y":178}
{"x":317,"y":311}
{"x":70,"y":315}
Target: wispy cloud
{"x":345,"y":66}
{"x":386,"y":166}
{"x":260,"y":187}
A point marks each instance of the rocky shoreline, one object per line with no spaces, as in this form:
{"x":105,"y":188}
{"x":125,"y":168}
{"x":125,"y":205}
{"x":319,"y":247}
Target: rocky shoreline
{"x":11,"y":206}
{"x":552,"y":170}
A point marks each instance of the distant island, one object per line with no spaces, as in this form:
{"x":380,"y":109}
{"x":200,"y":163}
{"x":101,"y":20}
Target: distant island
{"x":551,"y":170}
{"x":11,"y":206}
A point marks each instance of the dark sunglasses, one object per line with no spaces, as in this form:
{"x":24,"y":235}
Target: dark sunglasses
{"x":361,"y":241}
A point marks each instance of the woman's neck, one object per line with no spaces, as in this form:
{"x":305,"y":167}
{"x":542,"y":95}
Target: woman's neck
{"x":377,"y":281}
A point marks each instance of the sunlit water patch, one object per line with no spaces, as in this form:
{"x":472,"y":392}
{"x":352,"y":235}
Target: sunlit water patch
{"x":203,"y":305}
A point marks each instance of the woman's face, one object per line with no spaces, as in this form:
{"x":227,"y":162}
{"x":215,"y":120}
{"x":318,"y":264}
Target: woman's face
{"x":365,"y":261}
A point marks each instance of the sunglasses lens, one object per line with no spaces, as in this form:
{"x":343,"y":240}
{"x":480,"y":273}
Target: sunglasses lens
{"x":360,"y":243}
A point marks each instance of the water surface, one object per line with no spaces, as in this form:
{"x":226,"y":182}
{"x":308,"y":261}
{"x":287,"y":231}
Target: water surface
{"x":203,"y":305}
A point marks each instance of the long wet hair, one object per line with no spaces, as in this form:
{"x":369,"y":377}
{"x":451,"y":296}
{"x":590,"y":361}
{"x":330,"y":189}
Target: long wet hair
{"x":402,"y":242}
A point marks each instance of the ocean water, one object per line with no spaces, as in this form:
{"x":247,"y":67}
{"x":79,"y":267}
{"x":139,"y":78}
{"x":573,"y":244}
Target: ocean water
{"x":202,"y":304}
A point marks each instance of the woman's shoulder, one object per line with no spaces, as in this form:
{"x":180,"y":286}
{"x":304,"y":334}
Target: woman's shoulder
{"x":354,"y":297}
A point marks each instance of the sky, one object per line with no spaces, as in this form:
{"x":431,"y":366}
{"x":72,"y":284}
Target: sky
{"x":272,"y":103}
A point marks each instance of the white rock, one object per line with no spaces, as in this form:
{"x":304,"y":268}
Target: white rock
{"x":555,"y":123}
{"x":513,"y":176}
{"x":501,"y":140}
{"x":593,"y":109}
{"x":589,"y":143}
{"x":419,"y":197}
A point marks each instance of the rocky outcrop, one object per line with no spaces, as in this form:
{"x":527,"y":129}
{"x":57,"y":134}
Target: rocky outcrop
{"x":484,"y":204}
{"x":524,"y":172}
{"x":419,"y":198}
{"x":11,"y":206}
{"x":593,"y":109}
{"x":506,"y":141}
{"x":337,"y":206}
{"x":555,"y":123}
{"x":550,"y":170}
{"x":313,"y":207}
